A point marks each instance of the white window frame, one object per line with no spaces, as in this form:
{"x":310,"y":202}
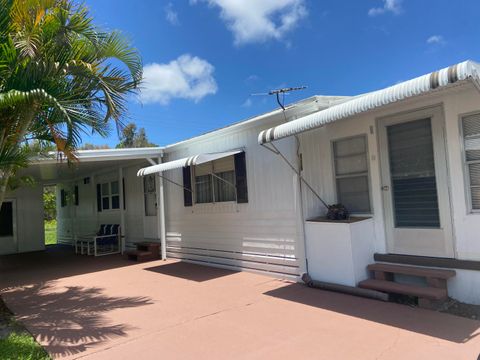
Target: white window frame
{"x":110,"y":195}
{"x":213,"y":177}
{"x":335,"y":177}
{"x":465,"y":165}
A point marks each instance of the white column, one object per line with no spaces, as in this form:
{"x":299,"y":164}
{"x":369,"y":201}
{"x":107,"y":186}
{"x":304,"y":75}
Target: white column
{"x":122,"y":212}
{"x":161,"y":217}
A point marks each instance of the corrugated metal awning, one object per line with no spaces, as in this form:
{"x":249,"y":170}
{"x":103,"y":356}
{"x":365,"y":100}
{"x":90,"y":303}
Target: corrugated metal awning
{"x":420,"y":85}
{"x":188,"y":161}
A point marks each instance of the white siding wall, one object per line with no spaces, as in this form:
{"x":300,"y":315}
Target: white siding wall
{"x":135,"y":211}
{"x":84,"y":219}
{"x":266,"y":229}
{"x":318,"y":170}
{"x":30,"y":234}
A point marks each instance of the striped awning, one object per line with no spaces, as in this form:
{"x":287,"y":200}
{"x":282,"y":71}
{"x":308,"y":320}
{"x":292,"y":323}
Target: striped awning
{"x":188,"y":161}
{"x":373,"y":100}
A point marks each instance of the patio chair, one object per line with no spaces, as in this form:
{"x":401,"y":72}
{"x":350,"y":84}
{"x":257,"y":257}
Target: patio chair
{"x":108,"y":242}
{"x":84,"y":243}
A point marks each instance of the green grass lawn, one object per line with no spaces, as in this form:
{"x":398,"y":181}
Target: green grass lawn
{"x":50,"y":232}
{"x":15,"y":342}
{"x":21,"y":345}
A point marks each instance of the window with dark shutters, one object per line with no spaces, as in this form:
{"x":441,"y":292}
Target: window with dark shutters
{"x":241,"y":178}
{"x":187,"y":184}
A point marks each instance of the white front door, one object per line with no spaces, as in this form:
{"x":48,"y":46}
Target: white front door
{"x":8,"y":228}
{"x":415,"y":184}
{"x":150,"y":219}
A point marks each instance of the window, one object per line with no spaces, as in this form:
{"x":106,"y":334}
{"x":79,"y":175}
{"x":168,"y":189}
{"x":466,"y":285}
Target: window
{"x":222,"y":180}
{"x":110,"y":196}
{"x":351,"y":173}
{"x":215,"y":181}
{"x":150,"y":195}
{"x":471,"y":138}
{"x":6,"y":219}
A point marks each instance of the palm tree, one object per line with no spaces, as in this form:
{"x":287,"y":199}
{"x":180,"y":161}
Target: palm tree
{"x":60,"y":76}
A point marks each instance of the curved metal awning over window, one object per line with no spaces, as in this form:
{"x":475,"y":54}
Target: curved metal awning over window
{"x":188,"y":161}
{"x":370,"y":101}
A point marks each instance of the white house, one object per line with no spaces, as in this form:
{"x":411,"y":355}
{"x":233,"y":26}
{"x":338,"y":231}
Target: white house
{"x":404,"y":160}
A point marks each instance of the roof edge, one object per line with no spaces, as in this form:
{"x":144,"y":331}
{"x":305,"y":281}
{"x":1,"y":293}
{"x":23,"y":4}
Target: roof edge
{"x":376,"y":99}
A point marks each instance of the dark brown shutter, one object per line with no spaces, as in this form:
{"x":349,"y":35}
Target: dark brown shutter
{"x":77,"y":200}
{"x":99,"y":198}
{"x":187,"y":184}
{"x":241,"y":178}
{"x":63,"y":198}
{"x":123,"y":190}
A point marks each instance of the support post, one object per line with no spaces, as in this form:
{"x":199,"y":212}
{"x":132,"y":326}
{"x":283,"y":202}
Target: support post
{"x":161,"y":217}
{"x":122,"y":211}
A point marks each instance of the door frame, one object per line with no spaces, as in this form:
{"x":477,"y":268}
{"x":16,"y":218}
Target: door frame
{"x":14,"y":221}
{"x":442,"y":175}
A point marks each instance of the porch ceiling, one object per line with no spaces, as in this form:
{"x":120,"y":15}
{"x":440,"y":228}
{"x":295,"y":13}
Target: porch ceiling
{"x":53,"y":172}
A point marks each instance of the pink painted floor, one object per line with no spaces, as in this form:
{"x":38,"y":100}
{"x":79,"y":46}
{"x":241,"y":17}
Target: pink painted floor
{"x":109,"y":308}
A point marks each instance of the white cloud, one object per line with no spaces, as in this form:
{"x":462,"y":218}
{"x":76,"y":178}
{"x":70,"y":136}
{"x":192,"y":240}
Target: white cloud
{"x":171,"y":15}
{"x":436,"y":40}
{"x":254,"y":21}
{"x":187,"y":77}
{"x":393,"y":6}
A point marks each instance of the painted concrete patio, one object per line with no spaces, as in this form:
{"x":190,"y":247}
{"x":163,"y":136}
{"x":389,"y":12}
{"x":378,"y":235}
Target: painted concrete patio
{"x":108,"y":308}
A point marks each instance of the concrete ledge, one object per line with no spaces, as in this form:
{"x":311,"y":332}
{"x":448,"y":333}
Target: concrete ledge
{"x":428,"y":261}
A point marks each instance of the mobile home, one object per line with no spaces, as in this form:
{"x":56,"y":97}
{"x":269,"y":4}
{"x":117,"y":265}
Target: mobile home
{"x":250,"y":196}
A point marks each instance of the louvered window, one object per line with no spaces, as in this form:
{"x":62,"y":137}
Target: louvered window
{"x":471,"y":137}
{"x":351,"y":173}
{"x":412,"y":172}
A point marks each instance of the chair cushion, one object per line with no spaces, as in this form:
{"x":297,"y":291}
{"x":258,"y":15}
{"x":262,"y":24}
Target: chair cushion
{"x":115,"y":228}
{"x":108,"y":230}
{"x":101,"y":232}
{"x":111,"y":240}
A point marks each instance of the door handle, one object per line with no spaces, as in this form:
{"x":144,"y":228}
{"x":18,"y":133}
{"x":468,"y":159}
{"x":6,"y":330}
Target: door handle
{"x":385,"y":187}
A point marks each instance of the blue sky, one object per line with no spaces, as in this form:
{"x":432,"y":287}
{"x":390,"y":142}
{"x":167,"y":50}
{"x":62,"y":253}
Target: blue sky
{"x":203,"y":58}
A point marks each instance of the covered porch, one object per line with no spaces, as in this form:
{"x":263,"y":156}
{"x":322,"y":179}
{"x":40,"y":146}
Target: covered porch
{"x":99,"y":192}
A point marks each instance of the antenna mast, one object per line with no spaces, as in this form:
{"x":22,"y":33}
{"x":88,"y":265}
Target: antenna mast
{"x":282,"y":91}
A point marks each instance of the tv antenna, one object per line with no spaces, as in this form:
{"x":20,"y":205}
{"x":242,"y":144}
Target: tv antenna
{"x":282,"y":92}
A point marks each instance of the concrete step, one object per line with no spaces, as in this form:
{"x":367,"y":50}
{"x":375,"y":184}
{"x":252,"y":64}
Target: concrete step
{"x":430,"y":293}
{"x":138,"y":255}
{"x":412,"y":271}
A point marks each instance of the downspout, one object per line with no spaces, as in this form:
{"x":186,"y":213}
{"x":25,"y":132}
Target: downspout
{"x":122,"y":211}
{"x":300,"y":179}
{"x":301,"y":205}
{"x":162,"y":229}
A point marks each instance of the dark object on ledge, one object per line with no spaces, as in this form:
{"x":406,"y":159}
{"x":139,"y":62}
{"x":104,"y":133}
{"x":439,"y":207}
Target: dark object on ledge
{"x":350,"y":220}
{"x":337,"y":212}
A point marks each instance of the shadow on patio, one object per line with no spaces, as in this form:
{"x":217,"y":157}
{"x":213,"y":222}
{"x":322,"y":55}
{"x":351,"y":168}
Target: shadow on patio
{"x":431,"y":323}
{"x":189,"y":271}
{"x":69,"y":320}
{"x":57,"y":261}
